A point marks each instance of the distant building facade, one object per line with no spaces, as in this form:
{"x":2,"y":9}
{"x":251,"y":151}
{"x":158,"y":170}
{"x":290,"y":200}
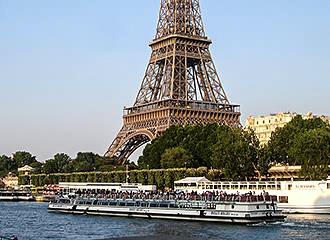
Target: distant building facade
{"x":264,"y":126}
{"x":2,"y":184}
{"x":10,"y":181}
{"x":26,"y":170}
{"x":325,"y":118}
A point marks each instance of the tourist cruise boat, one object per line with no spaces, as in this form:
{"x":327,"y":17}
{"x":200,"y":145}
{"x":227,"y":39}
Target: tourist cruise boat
{"x":15,"y":195}
{"x":292,"y":196}
{"x":226,"y":209}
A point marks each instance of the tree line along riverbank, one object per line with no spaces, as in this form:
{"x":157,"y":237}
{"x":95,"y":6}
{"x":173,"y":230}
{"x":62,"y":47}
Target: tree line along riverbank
{"x":222,"y":153}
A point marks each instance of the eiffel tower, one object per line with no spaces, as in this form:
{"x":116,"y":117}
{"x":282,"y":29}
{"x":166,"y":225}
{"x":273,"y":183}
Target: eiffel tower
{"x":181,"y":85}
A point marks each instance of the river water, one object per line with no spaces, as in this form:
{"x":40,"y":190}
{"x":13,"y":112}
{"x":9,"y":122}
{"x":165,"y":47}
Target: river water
{"x":32,"y":221}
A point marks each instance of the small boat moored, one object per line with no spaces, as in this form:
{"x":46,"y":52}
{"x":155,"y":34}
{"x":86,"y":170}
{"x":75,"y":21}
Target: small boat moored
{"x":15,"y":195}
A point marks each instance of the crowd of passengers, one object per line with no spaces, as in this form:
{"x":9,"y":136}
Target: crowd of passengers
{"x":159,"y":195}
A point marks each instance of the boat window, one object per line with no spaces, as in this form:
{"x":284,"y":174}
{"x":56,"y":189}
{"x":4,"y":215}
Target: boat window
{"x":122,"y":203}
{"x":283,"y":199}
{"x":262,"y":187}
{"x":290,"y":186}
{"x":243,"y":187}
{"x":257,"y":207}
{"x":252,"y":187}
{"x":172,"y":205}
{"x":113,"y":203}
{"x":272,"y":187}
{"x":143,"y":204}
{"x":328,"y":185}
{"x":232,"y":206}
{"x":267,"y":206}
{"x":278,"y":186}
{"x":226,"y":187}
{"x":130,"y":204}
{"x":153,"y":205}
{"x":164,"y":205}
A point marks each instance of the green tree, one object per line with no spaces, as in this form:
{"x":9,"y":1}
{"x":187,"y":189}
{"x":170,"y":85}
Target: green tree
{"x":235,"y":153}
{"x":198,"y":141}
{"x":87,"y":162}
{"x":311,"y":150}
{"x":7,"y":165}
{"x":282,"y":139}
{"x":24,"y":158}
{"x":153,"y":152}
{"x":176,"y":157}
{"x":61,"y":163}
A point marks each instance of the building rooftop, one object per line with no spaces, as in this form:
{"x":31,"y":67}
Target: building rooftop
{"x":25,"y":168}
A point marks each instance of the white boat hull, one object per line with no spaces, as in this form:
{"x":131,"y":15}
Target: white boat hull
{"x":240,"y":217}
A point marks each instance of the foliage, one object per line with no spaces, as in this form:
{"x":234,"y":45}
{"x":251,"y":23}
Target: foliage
{"x":160,"y":177}
{"x":60,"y":163}
{"x":19,"y":159}
{"x":24,"y":158}
{"x":176,"y":157}
{"x":7,"y":165}
{"x":212,"y":146}
{"x":218,"y":152}
{"x":235,"y":152}
{"x":282,"y":139}
{"x":311,"y":150}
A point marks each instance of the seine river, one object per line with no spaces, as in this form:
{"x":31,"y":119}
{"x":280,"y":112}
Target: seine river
{"x":32,"y":221}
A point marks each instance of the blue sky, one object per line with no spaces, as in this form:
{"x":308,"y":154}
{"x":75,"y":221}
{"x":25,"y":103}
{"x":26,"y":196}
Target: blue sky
{"x":67,"y":68}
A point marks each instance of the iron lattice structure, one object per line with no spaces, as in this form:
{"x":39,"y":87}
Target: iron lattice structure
{"x":181,"y":85}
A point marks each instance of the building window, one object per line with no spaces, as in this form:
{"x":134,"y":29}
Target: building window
{"x":284,"y":199}
{"x":328,"y":185}
{"x":290,"y":186}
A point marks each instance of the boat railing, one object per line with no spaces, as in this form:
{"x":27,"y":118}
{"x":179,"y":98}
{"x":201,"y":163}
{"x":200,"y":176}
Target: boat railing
{"x":221,"y":198}
{"x":6,"y":238}
{"x":189,"y":203}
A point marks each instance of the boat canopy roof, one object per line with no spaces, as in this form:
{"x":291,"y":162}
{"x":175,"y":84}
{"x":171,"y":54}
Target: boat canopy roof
{"x":193,"y":180}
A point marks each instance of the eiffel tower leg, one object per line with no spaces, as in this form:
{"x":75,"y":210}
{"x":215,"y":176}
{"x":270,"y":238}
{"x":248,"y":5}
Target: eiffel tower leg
{"x":127,"y":142}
